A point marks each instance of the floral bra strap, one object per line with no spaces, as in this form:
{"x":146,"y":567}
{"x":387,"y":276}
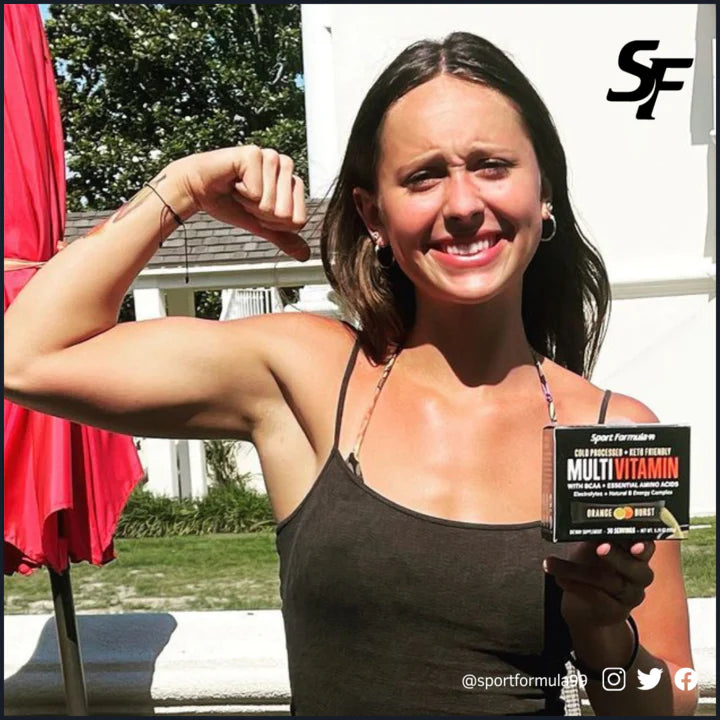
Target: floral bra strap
{"x":546,"y":389}
{"x":378,"y":388}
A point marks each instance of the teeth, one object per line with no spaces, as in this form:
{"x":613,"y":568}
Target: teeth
{"x":468,"y":248}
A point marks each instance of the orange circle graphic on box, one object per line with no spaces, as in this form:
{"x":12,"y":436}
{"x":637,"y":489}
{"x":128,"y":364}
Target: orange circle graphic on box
{"x":629,"y":513}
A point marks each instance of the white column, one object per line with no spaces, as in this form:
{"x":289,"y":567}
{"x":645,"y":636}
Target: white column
{"x":714,"y":81}
{"x":162,"y":470}
{"x":183,"y":459}
{"x":319,"y":76}
{"x":149,"y":304}
{"x":160,"y":455}
{"x":275,"y":300}
{"x":193,"y":473}
{"x":198,"y":468}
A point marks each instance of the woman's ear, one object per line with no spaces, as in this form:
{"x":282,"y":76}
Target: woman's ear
{"x":545,"y":189}
{"x":368,"y":209}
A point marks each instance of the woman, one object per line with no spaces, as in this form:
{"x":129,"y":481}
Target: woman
{"x":418,"y":562}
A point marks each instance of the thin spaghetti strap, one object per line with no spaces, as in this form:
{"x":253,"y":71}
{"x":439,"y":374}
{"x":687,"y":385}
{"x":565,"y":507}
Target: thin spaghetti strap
{"x":603,"y":407}
{"x":343,"y":390}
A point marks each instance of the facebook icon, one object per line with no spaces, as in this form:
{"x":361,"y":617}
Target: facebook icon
{"x":685,"y":678}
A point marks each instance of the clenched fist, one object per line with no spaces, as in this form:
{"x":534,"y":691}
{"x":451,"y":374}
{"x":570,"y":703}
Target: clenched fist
{"x":247,"y":187}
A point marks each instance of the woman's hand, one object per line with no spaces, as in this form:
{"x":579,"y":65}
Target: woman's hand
{"x":602,"y":582}
{"x":248,"y":187}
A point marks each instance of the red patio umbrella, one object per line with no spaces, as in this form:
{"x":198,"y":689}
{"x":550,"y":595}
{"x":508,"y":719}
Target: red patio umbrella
{"x":65,"y":484}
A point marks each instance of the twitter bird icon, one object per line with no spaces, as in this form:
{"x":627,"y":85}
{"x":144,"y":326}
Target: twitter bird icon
{"x":649,"y":680}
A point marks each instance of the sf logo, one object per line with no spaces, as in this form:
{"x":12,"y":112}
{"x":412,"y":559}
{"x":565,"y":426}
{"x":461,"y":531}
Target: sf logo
{"x":652,"y":79}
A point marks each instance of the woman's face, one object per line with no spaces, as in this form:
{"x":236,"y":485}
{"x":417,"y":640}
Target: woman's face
{"x":459,"y":194}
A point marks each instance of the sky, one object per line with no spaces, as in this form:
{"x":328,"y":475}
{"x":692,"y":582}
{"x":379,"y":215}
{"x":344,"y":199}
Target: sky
{"x":45,"y":12}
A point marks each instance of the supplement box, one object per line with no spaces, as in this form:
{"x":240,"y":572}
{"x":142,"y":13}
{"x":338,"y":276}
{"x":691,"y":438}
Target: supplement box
{"x":602,"y":482}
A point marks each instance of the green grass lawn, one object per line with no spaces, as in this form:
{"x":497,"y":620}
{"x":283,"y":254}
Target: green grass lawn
{"x":207,"y":572}
{"x":232,"y":572}
{"x":698,"y":558}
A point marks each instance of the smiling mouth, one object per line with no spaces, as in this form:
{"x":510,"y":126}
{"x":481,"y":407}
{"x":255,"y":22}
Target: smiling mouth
{"x":457,"y":247}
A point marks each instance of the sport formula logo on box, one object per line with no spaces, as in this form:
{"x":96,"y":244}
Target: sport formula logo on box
{"x":652,"y":79}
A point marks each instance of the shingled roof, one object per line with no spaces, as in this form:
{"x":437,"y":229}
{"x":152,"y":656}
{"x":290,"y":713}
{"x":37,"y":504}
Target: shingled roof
{"x":209,"y":241}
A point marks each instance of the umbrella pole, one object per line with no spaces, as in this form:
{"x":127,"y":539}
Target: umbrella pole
{"x":67,"y":634}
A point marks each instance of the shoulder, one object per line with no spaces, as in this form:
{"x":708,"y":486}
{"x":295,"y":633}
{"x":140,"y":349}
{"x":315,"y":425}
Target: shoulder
{"x":578,"y":400}
{"x":297,"y":350}
{"x":304,"y":347}
{"x":295,"y":331}
{"x":624,"y":408}
{"x":320,"y":334}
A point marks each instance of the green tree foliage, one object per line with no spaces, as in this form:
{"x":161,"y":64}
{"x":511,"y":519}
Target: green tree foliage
{"x":141,"y":85}
{"x":127,"y":309}
{"x":208,"y":304}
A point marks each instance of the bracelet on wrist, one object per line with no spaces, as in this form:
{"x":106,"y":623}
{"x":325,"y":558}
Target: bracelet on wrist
{"x":180,"y":223}
{"x":594,"y":674}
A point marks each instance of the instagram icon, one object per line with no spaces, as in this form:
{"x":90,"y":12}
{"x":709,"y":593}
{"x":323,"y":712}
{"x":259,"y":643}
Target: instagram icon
{"x":613,"y":678}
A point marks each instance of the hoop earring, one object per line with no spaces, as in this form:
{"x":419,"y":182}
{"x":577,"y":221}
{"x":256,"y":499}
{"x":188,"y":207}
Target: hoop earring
{"x":554,"y":226}
{"x":377,"y":247}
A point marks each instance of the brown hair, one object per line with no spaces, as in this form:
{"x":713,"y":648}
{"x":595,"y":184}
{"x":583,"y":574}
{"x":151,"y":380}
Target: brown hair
{"x":566,"y":292}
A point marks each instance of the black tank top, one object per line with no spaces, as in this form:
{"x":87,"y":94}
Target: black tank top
{"x":387,"y":609}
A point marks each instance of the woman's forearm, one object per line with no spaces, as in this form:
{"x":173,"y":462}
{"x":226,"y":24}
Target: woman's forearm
{"x":77,"y":293}
{"x":610,"y":647}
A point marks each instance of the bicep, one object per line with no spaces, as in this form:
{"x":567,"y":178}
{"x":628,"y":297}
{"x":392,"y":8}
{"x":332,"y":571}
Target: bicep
{"x":169,"y":377}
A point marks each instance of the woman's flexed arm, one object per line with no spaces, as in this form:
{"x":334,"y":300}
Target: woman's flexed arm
{"x":65,"y":353}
